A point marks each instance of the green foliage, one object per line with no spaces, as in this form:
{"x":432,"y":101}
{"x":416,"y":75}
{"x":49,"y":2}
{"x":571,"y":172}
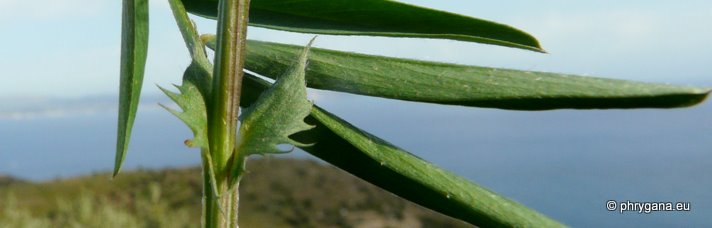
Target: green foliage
{"x":194,"y":115}
{"x":134,"y":48}
{"x":194,"y":93}
{"x":444,"y":83}
{"x":191,"y":101}
{"x":419,"y":181}
{"x":278,"y":113}
{"x":372,"y":18}
{"x":210,"y":96}
{"x":391,"y":168}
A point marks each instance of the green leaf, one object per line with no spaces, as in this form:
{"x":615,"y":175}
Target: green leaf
{"x":393,"y":169}
{"x":277,"y":113}
{"x":191,"y":101}
{"x":452,"y":84}
{"x":273,"y":117}
{"x":134,"y":48}
{"x":373,"y":18}
{"x":194,"y":92}
{"x":197,"y":79}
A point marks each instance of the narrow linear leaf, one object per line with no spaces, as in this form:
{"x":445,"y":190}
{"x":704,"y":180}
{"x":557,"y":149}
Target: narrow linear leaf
{"x":452,"y":84}
{"x":278,"y":113}
{"x":410,"y":177}
{"x":134,"y":48}
{"x":373,"y":18}
{"x":393,"y":169}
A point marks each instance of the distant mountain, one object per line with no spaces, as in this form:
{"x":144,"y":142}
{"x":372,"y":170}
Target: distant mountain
{"x":15,"y":108}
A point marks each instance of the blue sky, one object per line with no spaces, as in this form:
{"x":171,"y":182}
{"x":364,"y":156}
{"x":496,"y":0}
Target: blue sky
{"x":70,"y":48}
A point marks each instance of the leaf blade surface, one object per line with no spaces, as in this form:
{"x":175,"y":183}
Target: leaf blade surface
{"x":373,"y":18}
{"x":134,"y":50}
{"x":395,"y":170}
{"x":453,"y":84}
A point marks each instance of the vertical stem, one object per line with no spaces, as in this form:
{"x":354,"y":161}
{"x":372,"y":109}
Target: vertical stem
{"x":219,"y":198}
{"x":227,"y":81}
{"x":211,"y":209}
{"x":224,"y":105}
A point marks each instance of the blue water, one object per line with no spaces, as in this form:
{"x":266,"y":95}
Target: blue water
{"x":566,"y":164}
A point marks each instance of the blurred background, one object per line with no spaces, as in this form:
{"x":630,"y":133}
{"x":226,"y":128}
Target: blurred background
{"x":59,"y":90}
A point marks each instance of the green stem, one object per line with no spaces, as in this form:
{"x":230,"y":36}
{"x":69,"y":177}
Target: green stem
{"x":211,"y":208}
{"x":223,"y":109}
{"x":232,"y":28}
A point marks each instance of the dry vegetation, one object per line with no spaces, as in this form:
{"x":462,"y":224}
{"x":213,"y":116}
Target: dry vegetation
{"x":275,"y":193}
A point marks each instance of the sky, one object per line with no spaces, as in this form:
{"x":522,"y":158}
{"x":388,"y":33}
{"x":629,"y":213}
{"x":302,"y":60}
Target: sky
{"x":68,"y":49}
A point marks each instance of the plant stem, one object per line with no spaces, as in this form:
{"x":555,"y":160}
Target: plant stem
{"x":223,"y":109}
{"x":211,"y":208}
{"x":227,"y":79}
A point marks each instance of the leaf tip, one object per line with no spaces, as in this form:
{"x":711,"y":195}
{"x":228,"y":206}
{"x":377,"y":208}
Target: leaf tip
{"x":312,"y":41}
{"x":535,"y":48}
{"x":121,"y":149}
{"x":117,"y":168}
{"x":706,"y":95}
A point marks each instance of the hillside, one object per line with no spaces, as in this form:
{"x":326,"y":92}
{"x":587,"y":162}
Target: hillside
{"x":275,"y":193}
{"x":7,"y":180}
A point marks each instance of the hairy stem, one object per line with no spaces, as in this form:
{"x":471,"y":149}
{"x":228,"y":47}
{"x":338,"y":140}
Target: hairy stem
{"x":229,"y":60}
{"x":223,"y":108}
{"x":211,"y":208}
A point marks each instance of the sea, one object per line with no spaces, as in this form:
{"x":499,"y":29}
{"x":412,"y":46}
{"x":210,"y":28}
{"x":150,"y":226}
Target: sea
{"x":567,"y":164}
